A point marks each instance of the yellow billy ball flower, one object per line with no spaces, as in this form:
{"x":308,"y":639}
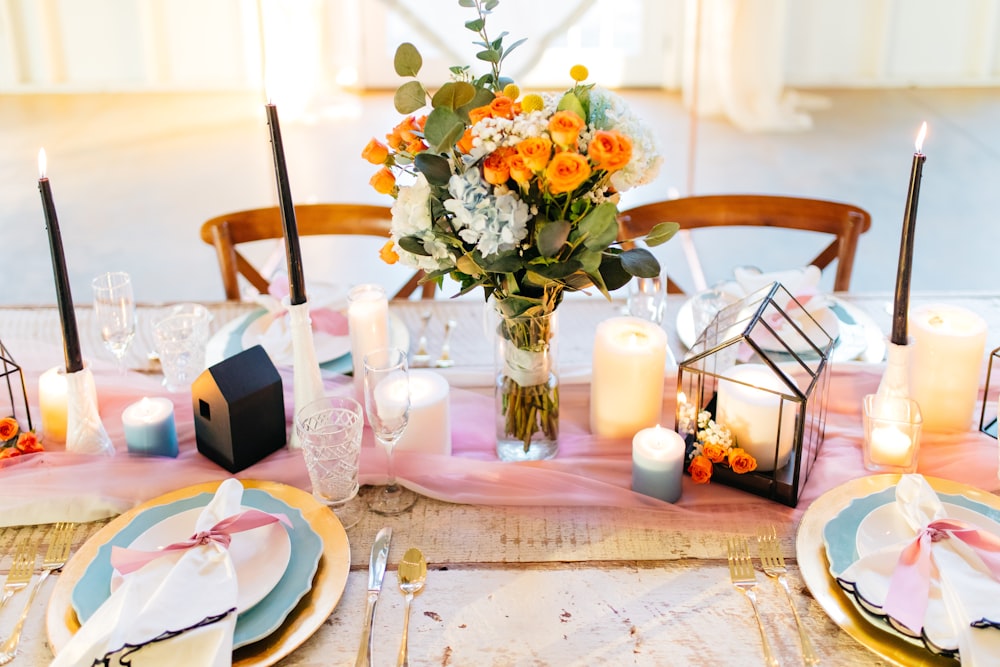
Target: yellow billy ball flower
{"x":532,"y":102}
{"x":512,"y":91}
{"x":578,"y":72}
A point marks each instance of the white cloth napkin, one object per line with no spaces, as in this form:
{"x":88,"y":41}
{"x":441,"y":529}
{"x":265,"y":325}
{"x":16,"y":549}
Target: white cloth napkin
{"x":169,"y":612}
{"x":802,"y":285}
{"x":963,"y":599}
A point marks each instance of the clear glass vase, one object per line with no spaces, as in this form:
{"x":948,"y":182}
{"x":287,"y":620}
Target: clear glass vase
{"x":527,"y":387}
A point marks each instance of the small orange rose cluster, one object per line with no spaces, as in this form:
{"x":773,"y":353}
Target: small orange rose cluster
{"x":14,"y":441}
{"x":715,"y":446}
{"x":406,"y":138}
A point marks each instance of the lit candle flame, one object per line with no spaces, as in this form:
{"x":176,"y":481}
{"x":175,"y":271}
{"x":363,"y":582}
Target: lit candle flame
{"x":919,"y":144}
{"x":42,"y":163}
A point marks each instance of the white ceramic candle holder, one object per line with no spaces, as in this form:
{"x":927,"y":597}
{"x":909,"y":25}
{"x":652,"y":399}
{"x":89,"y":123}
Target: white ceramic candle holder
{"x":307,"y":382}
{"x":85,"y":432}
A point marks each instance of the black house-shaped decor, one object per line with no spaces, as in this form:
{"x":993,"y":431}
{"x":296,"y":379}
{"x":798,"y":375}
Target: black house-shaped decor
{"x":239,"y":410}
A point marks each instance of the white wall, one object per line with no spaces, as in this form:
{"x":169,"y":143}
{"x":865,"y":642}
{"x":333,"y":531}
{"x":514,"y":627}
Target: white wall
{"x":151,"y":45}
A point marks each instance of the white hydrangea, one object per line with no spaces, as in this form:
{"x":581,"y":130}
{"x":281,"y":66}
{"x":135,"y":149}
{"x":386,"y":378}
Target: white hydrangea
{"x":411,"y":216}
{"x":493,"y":223}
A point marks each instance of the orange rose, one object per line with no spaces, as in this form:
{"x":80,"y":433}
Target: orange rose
{"x":740,"y":461}
{"x":565,"y":126}
{"x":502,"y":107}
{"x":536,"y":152}
{"x":415,"y":146}
{"x":518,"y":169}
{"x":375,"y":152}
{"x":479,"y":113}
{"x":408,"y":129}
{"x":465,"y":143}
{"x":713,"y":452}
{"x":8,"y":428}
{"x":610,"y":151}
{"x":495,"y":169}
{"x":566,"y":172}
{"x":388,"y":253}
{"x":28,"y":443}
{"x":383,"y":181}
{"x":700,"y":470}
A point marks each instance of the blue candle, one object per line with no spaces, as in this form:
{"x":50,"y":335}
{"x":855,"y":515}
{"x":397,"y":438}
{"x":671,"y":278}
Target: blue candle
{"x":658,"y":463}
{"x":149,"y":427}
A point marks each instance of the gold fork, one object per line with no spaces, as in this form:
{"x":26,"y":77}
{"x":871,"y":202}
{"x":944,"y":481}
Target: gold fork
{"x":56,"y":556}
{"x":773,"y":564}
{"x":22,"y":566}
{"x":744,"y":578}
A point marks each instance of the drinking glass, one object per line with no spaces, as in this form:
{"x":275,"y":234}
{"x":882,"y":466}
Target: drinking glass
{"x":180,"y":339}
{"x":647,"y":298}
{"x":114,"y":308}
{"x":387,"y":403}
{"x":329,"y":431}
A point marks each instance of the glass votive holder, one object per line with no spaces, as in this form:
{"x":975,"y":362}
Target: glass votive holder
{"x":892,"y":433}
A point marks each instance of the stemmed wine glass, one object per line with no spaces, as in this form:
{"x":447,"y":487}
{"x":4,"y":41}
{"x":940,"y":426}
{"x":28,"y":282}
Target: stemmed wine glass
{"x":387,"y":403}
{"x":114,"y":306}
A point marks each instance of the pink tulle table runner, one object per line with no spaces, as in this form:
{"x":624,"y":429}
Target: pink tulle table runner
{"x":589,"y":470}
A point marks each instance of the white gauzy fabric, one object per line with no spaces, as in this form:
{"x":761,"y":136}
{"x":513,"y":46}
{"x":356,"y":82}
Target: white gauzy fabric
{"x":307,"y":380}
{"x":802,"y":285}
{"x":962,"y":590}
{"x":85,"y":432}
{"x":168,"y":612}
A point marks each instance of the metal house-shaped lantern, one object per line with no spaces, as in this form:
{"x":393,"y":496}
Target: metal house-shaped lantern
{"x":988,"y":424}
{"x":17,"y":394}
{"x":760,"y":369}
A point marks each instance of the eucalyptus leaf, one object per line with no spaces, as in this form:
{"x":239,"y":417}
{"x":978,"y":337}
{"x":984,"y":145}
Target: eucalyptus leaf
{"x":512,"y":47}
{"x":613,"y":273}
{"x":558,"y":270}
{"x":640,"y":262}
{"x":443,"y":128}
{"x":507,"y":262}
{"x":480,"y":99}
{"x":410,"y":97}
{"x":552,"y":237}
{"x":475,"y":25}
{"x":453,"y":95}
{"x":466,"y":3}
{"x":412,"y":244}
{"x":490,"y":5}
{"x":434,"y":168}
{"x":407,"y":61}
{"x":571,"y":102}
{"x":600,"y":226}
{"x":661,"y":233}
{"x":489,"y":55}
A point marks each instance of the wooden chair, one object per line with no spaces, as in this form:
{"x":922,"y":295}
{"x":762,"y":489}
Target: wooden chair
{"x":845,"y":222}
{"x":225,"y":232}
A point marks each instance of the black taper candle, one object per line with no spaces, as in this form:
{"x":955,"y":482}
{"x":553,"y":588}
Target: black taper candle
{"x":293,"y":255}
{"x":901,"y":300}
{"x":64,"y":298}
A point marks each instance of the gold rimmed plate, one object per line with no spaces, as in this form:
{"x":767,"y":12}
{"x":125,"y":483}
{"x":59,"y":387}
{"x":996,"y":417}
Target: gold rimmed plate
{"x":811,"y":553}
{"x":299,"y":624}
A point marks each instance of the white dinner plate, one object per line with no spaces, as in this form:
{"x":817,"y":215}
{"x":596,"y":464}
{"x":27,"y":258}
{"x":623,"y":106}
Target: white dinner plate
{"x":260,"y":556}
{"x":885,"y":526}
{"x":858,"y":338}
{"x":274,"y":335}
{"x":840,"y":539}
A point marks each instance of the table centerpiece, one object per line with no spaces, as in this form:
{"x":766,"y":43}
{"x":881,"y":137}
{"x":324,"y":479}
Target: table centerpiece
{"x":517,"y":195}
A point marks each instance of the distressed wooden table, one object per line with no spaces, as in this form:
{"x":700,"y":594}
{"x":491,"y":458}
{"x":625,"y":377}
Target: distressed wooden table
{"x":535,"y":585}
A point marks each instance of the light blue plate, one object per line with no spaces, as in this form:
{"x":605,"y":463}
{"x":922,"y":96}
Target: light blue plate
{"x":94,"y":587}
{"x":839,"y":537}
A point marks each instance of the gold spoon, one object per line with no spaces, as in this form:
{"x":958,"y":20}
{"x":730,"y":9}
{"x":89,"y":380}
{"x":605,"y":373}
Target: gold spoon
{"x":411,"y":574}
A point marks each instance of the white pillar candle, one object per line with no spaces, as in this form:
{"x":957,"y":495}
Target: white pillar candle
{"x":368,"y":323}
{"x":626,"y":390}
{"x":751,"y":412}
{"x":948,"y":347}
{"x":429,"y":427}
{"x":52,"y":404}
{"x":658,"y":463}
{"x":149,"y":427}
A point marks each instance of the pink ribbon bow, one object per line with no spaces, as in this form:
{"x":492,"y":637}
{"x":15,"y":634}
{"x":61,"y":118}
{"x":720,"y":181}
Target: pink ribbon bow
{"x":130,"y":560}
{"x":909,"y":587}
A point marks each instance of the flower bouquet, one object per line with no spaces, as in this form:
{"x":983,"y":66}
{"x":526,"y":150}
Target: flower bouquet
{"x":517,"y":195}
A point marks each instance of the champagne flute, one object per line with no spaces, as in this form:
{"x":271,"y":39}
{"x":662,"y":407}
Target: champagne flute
{"x":387,"y":403}
{"x":114,"y":308}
